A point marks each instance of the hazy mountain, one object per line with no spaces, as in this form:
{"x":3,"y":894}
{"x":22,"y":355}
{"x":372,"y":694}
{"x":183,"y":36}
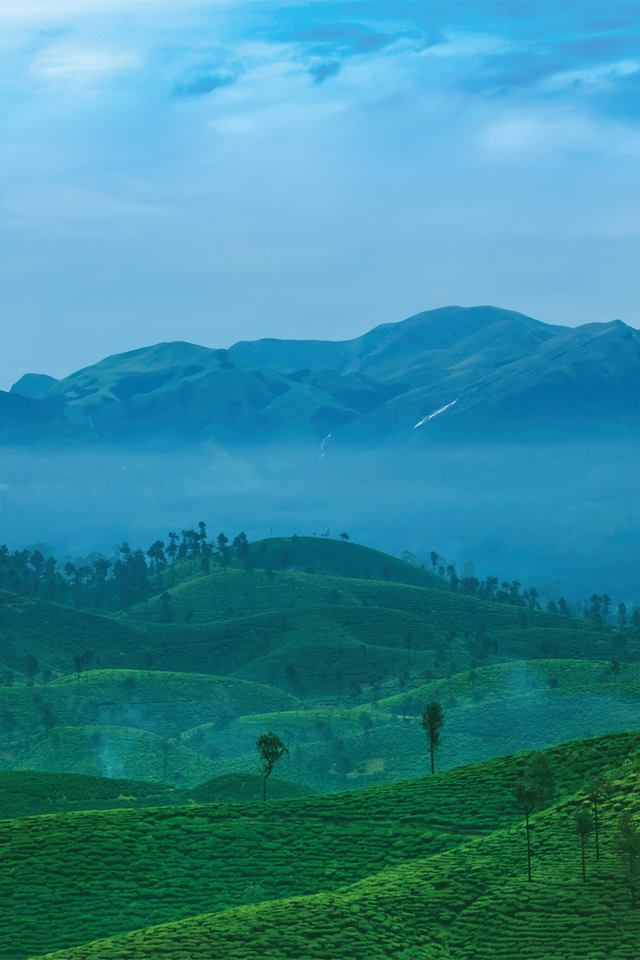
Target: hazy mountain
{"x":33,"y":385}
{"x":454,"y":373}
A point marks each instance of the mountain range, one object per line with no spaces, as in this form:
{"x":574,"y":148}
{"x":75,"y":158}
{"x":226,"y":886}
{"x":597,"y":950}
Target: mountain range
{"x":448,"y":375}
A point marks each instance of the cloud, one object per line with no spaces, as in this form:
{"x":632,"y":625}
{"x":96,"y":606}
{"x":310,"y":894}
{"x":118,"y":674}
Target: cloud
{"x":466,"y":46}
{"x":598,"y":77}
{"x":81,"y":65}
{"x":322,"y":71}
{"x":204,"y":83}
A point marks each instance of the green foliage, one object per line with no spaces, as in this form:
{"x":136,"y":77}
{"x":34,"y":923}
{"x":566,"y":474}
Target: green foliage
{"x":244,"y":788}
{"x":430,"y":868}
{"x":26,"y":793}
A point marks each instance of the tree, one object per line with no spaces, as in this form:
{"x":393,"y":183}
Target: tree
{"x":271,"y":750}
{"x":628,"y":845}
{"x":597,"y":795}
{"x":584,"y":826}
{"x":526,"y":800}
{"x":535,"y":787}
{"x":432,"y":720}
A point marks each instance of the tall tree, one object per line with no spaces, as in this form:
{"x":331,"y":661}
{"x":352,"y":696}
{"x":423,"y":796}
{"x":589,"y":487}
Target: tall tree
{"x":597,"y":795}
{"x":432,"y":720}
{"x":531,"y":791}
{"x":271,"y":750}
{"x":584,"y":826}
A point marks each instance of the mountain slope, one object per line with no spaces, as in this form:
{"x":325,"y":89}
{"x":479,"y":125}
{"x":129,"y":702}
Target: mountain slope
{"x":583,"y":380}
{"x":483,"y":365}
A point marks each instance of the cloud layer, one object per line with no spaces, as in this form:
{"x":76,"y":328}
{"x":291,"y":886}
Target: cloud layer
{"x":220,"y":170}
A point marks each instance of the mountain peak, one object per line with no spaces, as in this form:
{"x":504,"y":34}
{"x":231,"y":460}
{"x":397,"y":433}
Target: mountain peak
{"x":33,"y":386}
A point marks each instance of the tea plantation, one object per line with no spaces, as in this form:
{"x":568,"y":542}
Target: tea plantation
{"x":405,"y":868}
{"x":131,"y":815}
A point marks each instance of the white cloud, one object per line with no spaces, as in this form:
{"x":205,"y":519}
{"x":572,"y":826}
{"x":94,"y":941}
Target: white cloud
{"x":81,"y":65}
{"x":603,"y":75}
{"x":548,"y":132}
{"x":468,"y":45}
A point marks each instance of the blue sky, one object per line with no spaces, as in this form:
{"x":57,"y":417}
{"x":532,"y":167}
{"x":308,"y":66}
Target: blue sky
{"x":215,"y":171}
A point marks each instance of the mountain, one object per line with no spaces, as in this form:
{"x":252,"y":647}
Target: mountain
{"x":33,"y":385}
{"x":449,"y":374}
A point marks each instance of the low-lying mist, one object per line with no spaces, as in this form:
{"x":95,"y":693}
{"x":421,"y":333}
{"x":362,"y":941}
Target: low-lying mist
{"x":564,"y":519}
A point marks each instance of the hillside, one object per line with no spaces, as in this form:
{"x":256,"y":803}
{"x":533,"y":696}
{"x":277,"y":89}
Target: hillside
{"x":27,"y":793}
{"x":308,"y":846}
{"x":472,"y":903}
{"x":451,"y":372}
{"x":338,"y":558}
{"x":244,"y":788}
{"x":488,"y":711}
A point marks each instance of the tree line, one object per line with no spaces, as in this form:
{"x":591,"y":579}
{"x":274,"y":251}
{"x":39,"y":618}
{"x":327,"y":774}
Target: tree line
{"x":600,"y":608}
{"x":128,"y":577}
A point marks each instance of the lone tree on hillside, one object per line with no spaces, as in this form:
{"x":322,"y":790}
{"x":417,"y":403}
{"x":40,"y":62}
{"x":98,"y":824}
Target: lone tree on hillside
{"x":584,"y":826}
{"x":597,"y":796}
{"x":628,"y":844}
{"x":432,"y":720}
{"x":271,"y":750}
{"x":535,"y":787}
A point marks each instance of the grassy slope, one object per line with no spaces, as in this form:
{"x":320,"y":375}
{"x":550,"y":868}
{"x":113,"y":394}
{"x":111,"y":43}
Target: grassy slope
{"x":339,"y":559}
{"x":504,"y":707}
{"x":470,"y":902}
{"x":488,"y":711}
{"x":233,"y":592}
{"x":244,"y":788}
{"x":140,"y":867}
{"x":55,"y":633}
{"x":123,"y":752}
{"x":160,"y":701}
{"x":27,"y":793}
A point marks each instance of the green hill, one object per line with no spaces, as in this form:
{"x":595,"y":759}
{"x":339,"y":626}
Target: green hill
{"x":505,"y":707}
{"x":338,"y":558}
{"x":488,"y":710}
{"x":27,"y":793}
{"x":245,"y":788}
{"x":54,"y":634}
{"x":467,"y":898}
{"x":121,"y":752}
{"x":143,"y":867}
{"x":165,"y":702}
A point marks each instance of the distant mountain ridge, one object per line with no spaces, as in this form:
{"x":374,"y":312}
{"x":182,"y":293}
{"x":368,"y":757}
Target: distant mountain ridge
{"x":451,"y":374}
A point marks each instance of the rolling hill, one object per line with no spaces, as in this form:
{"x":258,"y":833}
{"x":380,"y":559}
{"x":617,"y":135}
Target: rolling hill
{"x":28,"y":793}
{"x":449,"y":841}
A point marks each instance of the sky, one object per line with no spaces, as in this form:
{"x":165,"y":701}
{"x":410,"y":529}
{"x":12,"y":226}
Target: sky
{"x":216,"y":171}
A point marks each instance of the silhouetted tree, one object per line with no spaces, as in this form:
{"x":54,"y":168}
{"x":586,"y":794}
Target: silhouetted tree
{"x":535,"y":787}
{"x":584,"y":826}
{"x":432,"y":720}
{"x":271,"y":750}
{"x":597,"y":795}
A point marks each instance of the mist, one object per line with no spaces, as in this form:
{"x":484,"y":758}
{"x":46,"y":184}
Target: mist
{"x":563,"y":519}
